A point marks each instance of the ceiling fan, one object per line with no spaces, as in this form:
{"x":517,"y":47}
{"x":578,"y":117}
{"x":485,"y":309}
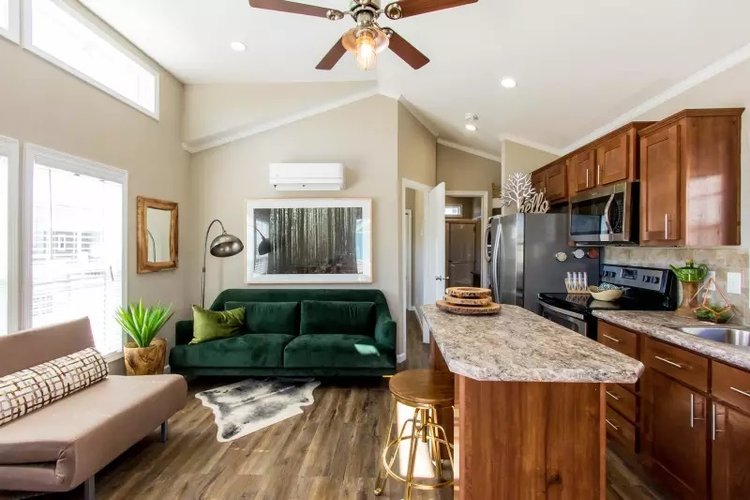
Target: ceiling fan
{"x":368,"y":38}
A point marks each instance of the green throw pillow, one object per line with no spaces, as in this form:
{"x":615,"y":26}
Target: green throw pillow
{"x":211,"y":325}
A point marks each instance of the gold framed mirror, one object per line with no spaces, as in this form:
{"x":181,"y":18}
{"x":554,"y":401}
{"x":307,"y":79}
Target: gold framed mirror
{"x":156,"y":232}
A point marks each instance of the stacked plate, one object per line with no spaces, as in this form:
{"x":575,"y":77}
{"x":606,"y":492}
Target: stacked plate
{"x":468,"y":301}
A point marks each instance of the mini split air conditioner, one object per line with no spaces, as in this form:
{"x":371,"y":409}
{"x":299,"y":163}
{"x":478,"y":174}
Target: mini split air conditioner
{"x":307,"y":176}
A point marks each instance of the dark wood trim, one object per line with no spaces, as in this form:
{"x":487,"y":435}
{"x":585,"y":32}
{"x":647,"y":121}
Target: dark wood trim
{"x":142,"y":263}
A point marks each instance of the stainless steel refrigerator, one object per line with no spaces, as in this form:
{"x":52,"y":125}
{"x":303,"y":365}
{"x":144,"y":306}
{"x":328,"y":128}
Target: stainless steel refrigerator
{"x":522,"y":250}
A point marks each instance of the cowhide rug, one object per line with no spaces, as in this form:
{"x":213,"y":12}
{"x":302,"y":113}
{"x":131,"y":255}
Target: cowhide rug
{"x":250,"y":405}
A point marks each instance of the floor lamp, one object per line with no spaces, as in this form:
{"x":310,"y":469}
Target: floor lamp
{"x":224,"y":245}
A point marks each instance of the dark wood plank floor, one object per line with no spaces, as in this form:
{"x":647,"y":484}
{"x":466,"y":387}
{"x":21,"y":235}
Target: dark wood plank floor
{"x":329,"y":452}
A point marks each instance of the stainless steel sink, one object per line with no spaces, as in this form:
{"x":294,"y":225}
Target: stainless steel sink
{"x":726,"y":335}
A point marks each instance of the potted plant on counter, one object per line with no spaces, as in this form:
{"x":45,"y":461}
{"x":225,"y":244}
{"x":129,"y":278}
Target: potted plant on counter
{"x":144,"y":354}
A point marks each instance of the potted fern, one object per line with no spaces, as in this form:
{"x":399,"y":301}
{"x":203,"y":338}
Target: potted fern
{"x":144,"y":354}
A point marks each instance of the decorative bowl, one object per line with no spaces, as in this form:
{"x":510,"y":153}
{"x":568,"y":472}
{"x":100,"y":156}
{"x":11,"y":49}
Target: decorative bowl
{"x":606,"y":295}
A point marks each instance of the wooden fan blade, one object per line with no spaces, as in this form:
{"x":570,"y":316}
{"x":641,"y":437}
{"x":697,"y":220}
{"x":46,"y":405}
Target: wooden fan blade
{"x":415,"y":7}
{"x":293,"y":7}
{"x":407,"y":51}
{"x":334,"y":55}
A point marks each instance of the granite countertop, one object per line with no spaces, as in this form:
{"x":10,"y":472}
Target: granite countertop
{"x":663,"y":326}
{"x":520,"y":346}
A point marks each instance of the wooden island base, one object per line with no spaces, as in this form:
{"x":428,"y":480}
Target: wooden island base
{"x":518,"y":440}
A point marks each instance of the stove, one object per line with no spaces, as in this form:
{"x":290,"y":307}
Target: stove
{"x":646,"y":289}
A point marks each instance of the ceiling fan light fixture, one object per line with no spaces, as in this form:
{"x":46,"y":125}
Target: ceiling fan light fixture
{"x":365,"y":44}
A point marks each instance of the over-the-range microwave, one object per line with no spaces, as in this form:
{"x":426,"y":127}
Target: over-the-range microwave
{"x":607,"y":215}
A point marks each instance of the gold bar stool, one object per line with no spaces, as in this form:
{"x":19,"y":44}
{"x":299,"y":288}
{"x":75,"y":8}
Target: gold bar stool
{"x":426,"y":391}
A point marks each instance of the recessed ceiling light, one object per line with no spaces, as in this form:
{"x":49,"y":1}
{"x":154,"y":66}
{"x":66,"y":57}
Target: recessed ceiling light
{"x":508,"y":82}
{"x":471,"y":127}
{"x":238,"y":46}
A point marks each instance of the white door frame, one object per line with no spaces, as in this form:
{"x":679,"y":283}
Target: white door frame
{"x":484,"y":278}
{"x":407,"y":257}
{"x":423,"y":189}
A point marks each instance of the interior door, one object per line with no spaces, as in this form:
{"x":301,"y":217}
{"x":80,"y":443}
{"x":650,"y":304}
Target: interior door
{"x":435,"y":243}
{"x":461,"y":249}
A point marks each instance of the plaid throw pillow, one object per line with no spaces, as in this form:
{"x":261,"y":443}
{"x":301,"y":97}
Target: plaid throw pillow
{"x":28,"y":390}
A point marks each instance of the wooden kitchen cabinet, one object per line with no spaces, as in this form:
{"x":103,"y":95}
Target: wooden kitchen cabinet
{"x":613,"y":159}
{"x":689,"y":170}
{"x":556,"y":182}
{"x":583,"y":169}
{"x":675,"y":434}
{"x":730,"y":461}
{"x":552,"y":180}
{"x":539,"y":181}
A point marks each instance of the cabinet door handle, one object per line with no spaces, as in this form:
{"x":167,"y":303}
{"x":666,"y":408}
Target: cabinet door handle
{"x":746,"y":394}
{"x":669,"y":362}
{"x":713,"y":421}
{"x":598,"y":173}
{"x":611,"y":338}
{"x":587,"y":177}
{"x":666,"y":226}
{"x":693,"y":418}
{"x":609,"y":423}
{"x":612,"y":395}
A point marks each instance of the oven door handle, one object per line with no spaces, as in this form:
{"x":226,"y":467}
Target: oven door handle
{"x":559,"y":310}
{"x":606,"y":214}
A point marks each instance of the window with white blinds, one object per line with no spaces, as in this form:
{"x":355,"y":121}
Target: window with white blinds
{"x":77,"y":245}
{"x":65,"y":36}
{"x":8,"y":240}
{"x":4,"y":248}
{"x":10,"y":19}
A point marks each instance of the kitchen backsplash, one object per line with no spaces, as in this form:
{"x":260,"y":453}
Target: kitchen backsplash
{"x":721,"y":260}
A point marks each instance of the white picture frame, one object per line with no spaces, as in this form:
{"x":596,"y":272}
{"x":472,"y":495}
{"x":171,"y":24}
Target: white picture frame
{"x":258,"y":213}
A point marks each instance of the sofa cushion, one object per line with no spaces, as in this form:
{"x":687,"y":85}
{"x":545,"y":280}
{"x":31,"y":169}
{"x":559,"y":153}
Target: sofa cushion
{"x":60,"y":446}
{"x":337,"y":317}
{"x":210,"y":325}
{"x":335,"y":351}
{"x":269,"y":317}
{"x":256,"y":350}
{"x":33,"y":388}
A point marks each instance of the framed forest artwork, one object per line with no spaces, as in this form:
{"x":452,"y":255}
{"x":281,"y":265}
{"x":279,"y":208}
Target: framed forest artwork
{"x":320,"y":240}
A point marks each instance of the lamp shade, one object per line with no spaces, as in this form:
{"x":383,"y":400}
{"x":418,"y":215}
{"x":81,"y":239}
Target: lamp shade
{"x":226,"y":245}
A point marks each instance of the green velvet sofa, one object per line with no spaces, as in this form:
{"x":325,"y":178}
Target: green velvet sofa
{"x":295,"y":333}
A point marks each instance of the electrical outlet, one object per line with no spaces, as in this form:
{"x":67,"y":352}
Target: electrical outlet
{"x":712,"y":274}
{"x":734,"y":283}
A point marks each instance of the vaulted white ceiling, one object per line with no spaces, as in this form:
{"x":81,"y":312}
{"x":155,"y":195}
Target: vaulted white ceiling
{"x":580,"y":64}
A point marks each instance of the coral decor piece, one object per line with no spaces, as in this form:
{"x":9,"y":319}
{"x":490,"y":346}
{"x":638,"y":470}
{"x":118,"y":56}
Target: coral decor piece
{"x":518,"y":190}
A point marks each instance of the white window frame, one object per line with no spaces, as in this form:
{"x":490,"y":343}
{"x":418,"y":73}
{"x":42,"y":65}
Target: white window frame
{"x":9,"y":148}
{"x":13,"y":33}
{"x":454,"y":205}
{"x":95,"y":26}
{"x":55,"y":159}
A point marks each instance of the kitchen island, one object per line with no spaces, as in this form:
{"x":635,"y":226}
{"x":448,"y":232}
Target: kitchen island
{"x":529,"y":418}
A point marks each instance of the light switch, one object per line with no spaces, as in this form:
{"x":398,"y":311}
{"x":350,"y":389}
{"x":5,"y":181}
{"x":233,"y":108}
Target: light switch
{"x":734,"y":283}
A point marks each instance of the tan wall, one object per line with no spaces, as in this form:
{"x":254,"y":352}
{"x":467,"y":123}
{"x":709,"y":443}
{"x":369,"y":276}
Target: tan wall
{"x":223,"y":178}
{"x":465,"y":172}
{"x":47,"y":106}
{"x":524,"y":159}
{"x":417,"y":161}
{"x":215,"y":108}
{"x":467,"y":206}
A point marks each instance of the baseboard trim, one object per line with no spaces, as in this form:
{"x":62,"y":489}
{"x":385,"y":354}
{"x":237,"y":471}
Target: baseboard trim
{"x":401,"y":358}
